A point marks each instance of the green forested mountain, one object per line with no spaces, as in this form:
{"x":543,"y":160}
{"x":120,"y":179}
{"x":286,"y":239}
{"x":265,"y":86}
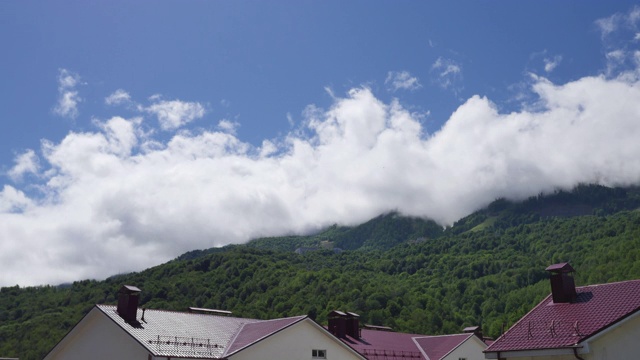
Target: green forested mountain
{"x":402,"y":272}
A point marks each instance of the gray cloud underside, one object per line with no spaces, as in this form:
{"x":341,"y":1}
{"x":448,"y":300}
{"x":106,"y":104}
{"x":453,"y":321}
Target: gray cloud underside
{"x":116,"y":200}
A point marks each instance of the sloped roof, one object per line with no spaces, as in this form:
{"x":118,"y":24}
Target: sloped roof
{"x":388,"y":345}
{"x":437,"y":347}
{"x":182,"y":334}
{"x":552,"y":325}
{"x":256,"y":331}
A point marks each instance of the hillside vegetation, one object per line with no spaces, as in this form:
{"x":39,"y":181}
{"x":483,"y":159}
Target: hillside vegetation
{"x":406,"y":273}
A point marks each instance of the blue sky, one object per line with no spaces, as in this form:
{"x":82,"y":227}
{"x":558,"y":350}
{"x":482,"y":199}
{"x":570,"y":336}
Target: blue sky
{"x":163,"y":127}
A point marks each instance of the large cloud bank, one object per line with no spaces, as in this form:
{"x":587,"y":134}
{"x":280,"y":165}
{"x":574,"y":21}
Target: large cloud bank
{"x":137,"y":191}
{"x":116,"y":199}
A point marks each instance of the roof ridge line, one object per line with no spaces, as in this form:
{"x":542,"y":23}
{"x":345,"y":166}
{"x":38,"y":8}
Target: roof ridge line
{"x":422,"y":351}
{"x":182,"y":312}
{"x":432,"y":336}
{"x":232,"y":340}
{"x":611,"y":283}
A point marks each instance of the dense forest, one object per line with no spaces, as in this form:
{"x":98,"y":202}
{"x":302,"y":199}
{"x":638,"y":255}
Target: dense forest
{"x":406,"y":273}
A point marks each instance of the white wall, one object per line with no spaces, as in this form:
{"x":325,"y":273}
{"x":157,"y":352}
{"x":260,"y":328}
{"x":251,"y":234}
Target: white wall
{"x":295,"y":343}
{"x":623,"y":342}
{"x":470,"y":350}
{"x":97,"y":337}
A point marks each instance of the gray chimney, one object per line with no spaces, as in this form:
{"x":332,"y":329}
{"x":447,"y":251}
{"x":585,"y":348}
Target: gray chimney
{"x":128,"y":298}
{"x":563,"y":287}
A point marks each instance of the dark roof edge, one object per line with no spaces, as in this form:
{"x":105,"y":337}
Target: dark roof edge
{"x":576,"y":346}
{"x":225,"y":355}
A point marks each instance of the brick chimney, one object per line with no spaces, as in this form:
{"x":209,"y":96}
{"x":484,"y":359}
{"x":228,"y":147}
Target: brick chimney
{"x":128,"y":298}
{"x":563,"y":287}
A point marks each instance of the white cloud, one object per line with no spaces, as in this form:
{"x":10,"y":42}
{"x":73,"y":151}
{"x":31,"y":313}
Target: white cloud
{"x":447,"y":74}
{"x":67,"y":79}
{"x":115,"y":199}
{"x":228,"y":126}
{"x":26,"y":163}
{"x":551,"y":63}
{"x":401,"y":80}
{"x":12,"y":200}
{"x":619,"y":32}
{"x":615,"y":60}
{"x":68,"y":97}
{"x":118,"y":97}
{"x":290,"y":120}
{"x":174,"y":114}
{"x":609,"y":24}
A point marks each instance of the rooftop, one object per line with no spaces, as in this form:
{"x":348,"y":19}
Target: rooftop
{"x":552,"y":325}
{"x":376,"y":344}
{"x":194,"y":335}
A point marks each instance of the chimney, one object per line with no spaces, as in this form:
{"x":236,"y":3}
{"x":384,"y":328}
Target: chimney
{"x":128,"y":298}
{"x":563,"y":287}
{"x":476,"y":330}
{"x":343,"y":324}
{"x":353,"y":325}
{"x":337,"y":323}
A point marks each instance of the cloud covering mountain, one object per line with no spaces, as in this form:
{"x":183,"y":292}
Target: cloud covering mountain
{"x":124,"y":196}
{"x":116,"y":199}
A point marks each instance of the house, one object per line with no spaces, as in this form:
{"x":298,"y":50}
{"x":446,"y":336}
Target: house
{"x":127,"y":332}
{"x":588,"y":322}
{"x":382,"y":343}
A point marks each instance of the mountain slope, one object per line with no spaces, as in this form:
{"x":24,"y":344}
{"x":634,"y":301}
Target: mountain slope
{"x":486,"y":269}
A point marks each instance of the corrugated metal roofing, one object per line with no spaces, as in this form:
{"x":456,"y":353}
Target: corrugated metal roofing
{"x":182,"y":334}
{"x":552,"y":325}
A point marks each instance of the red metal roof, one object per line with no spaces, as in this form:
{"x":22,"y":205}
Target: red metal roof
{"x":251,"y":333}
{"x":388,"y":345}
{"x":437,"y":347}
{"x":552,"y":325}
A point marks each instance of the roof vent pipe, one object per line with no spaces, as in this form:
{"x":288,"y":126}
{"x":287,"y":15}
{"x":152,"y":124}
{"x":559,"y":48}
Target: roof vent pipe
{"x":563,"y":287}
{"x":128,"y":298}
